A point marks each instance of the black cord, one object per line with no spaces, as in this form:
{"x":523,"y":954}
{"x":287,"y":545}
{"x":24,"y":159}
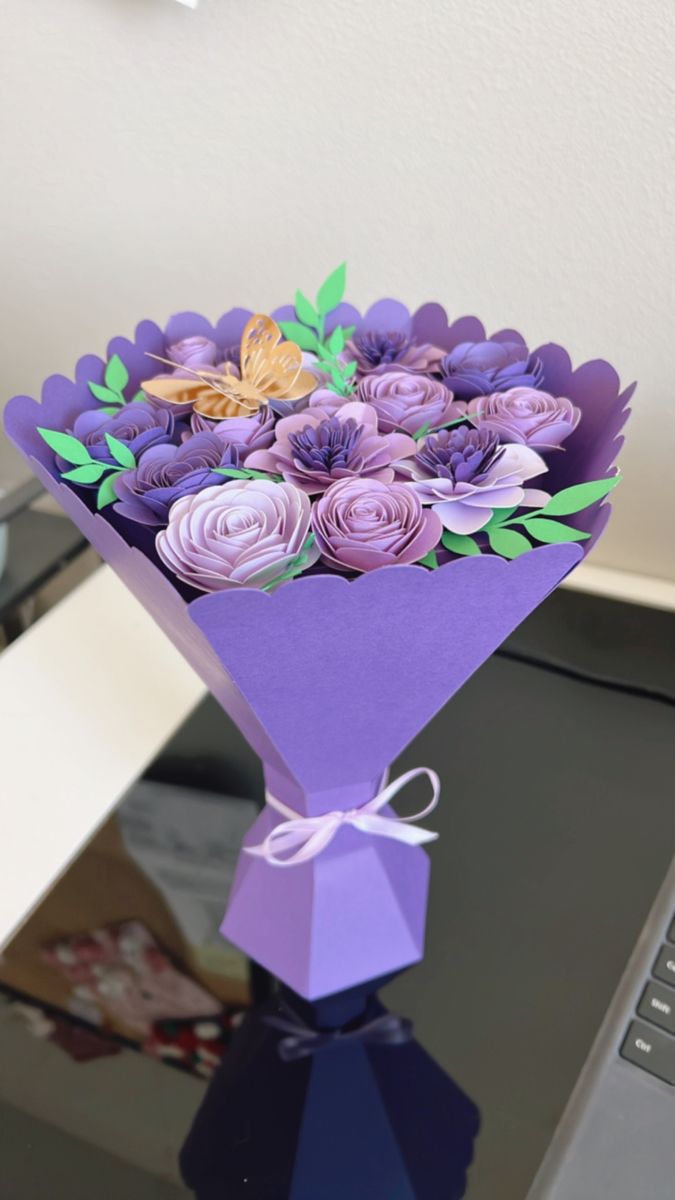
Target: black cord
{"x":603,"y":681}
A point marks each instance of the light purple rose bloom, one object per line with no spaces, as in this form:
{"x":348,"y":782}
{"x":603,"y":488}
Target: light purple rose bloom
{"x":465,"y":474}
{"x":361,"y":524}
{"x":246,"y":433}
{"x":193,"y":352}
{"x":165,"y":473}
{"x":480,"y":368}
{"x":328,"y":400}
{"x":242,"y":534}
{"x":527,"y":416}
{"x":406,"y":401}
{"x":138,"y":425}
{"x":313,"y":450}
{"x":377,"y":350}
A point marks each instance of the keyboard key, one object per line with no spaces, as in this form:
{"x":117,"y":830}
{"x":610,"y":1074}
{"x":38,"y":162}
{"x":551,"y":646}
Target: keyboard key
{"x":658,"y":1006}
{"x":664,"y":967}
{"x":651,"y":1050}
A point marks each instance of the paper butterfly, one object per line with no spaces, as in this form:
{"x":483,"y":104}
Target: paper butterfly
{"x":271,"y":369}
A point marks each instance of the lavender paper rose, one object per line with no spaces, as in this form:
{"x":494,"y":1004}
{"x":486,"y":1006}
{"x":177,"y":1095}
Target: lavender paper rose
{"x":246,"y":433}
{"x":193,"y":352}
{"x":465,"y":474}
{"x":361,"y":524}
{"x":313,"y":450}
{"x":138,"y":425}
{"x":165,"y":473}
{"x":480,"y":368}
{"x":240,"y":534}
{"x":405,"y":401}
{"x":527,"y":416}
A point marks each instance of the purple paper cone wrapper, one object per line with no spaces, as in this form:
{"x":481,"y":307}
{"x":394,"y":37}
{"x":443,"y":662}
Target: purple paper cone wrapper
{"x":325,"y":695}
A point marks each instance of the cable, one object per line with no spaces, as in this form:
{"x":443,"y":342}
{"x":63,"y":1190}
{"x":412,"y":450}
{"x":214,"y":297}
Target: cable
{"x":603,"y":681}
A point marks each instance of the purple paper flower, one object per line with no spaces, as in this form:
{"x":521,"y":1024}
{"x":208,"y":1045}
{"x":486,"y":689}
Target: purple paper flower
{"x":246,"y":433}
{"x":406,"y":401}
{"x":361,"y":524}
{"x":139,"y":425}
{"x":465,"y":474}
{"x":313,"y":450}
{"x":328,"y":400}
{"x":165,"y":473}
{"x":239,"y":534}
{"x":527,"y":416}
{"x":479,"y":368}
{"x":193,"y":352}
{"x":378,"y":350}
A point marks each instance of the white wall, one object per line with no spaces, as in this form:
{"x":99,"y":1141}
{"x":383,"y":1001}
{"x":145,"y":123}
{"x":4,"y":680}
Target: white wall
{"x":510,"y":157}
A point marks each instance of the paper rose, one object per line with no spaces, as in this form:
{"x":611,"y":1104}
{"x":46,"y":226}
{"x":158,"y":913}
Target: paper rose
{"x":313,"y":449}
{"x":165,"y":473}
{"x":361,"y":524}
{"x":403,"y":400}
{"x":246,"y":433}
{"x":241,"y":533}
{"x":376,"y":350}
{"x":465,"y":474}
{"x":527,"y":416}
{"x":193,"y":352}
{"x":138,"y":425}
{"x":479,"y":368}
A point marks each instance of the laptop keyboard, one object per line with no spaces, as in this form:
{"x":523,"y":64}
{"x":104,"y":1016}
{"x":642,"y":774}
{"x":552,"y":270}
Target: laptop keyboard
{"x":650,"y":1043}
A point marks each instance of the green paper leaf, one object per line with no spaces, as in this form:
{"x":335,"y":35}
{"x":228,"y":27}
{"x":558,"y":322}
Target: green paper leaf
{"x":429,"y":560}
{"x":332,"y":290}
{"x":247,"y":473}
{"x":551,"y":532}
{"x":66,"y":446}
{"x":508,"y":543}
{"x":306,"y":311}
{"x":573,"y":499}
{"x":116,"y":374}
{"x":89,"y":473}
{"x":460,"y":543}
{"x":336,"y":341}
{"x":120,"y":452}
{"x":139,"y":398}
{"x":105,"y":395}
{"x":350,"y":369}
{"x":348,"y":331}
{"x":303,"y":337}
{"x":422,"y":431}
{"x":499,"y":515}
{"x":106,"y":493}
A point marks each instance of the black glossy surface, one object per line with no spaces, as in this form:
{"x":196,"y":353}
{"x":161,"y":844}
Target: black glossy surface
{"x":39,"y":546}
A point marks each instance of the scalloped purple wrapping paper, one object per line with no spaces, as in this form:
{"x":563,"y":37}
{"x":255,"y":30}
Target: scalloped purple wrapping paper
{"x":330,"y":679}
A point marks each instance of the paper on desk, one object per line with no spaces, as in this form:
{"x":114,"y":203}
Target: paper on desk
{"x":187,"y":841}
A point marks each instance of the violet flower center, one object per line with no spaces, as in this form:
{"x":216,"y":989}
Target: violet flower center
{"x":375,"y":347}
{"x":329,"y":445}
{"x":462,"y":455}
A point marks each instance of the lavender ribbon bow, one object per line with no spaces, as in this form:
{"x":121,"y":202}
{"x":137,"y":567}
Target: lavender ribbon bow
{"x":302,"y":1041}
{"x":308,"y":836}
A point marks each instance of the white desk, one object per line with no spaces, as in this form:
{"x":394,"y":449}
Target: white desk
{"x":88,"y":696}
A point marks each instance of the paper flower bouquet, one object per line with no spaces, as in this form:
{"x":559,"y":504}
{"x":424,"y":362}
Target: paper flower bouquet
{"x":336,"y":518}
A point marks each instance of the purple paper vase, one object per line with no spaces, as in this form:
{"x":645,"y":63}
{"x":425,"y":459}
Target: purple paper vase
{"x":329,"y":679}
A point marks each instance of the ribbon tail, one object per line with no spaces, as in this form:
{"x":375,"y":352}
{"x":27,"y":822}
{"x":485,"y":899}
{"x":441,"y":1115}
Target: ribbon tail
{"x":396,"y":829}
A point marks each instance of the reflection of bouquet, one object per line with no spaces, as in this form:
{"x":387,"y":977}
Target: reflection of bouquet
{"x":271,"y":474}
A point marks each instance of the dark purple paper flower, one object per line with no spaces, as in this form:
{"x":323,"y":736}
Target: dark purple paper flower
{"x":407,"y":401}
{"x":313,"y":449}
{"x":480,"y":368}
{"x":165,"y":473}
{"x":379,"y":350}
{"x":246,"y":433}
{"x":361,"y":524}
{"x":139,"y":425}
{"x":193,"y":352}
{"x":526,"y":415}
{"x":463,"y":455}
